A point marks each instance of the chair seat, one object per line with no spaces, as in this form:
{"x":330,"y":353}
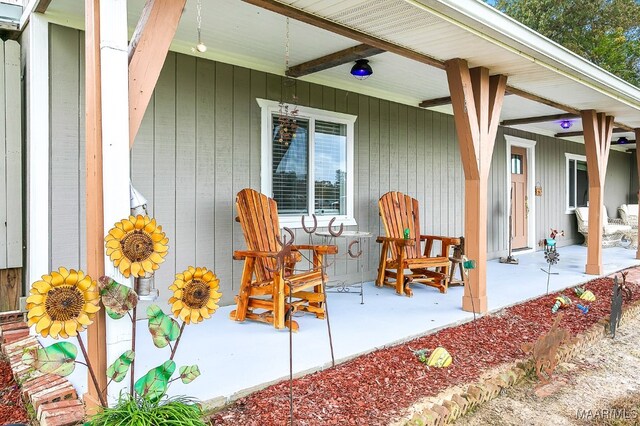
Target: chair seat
{"x":421,"y":262}
{"x":614,"y":229}
{"x":299,"y":281}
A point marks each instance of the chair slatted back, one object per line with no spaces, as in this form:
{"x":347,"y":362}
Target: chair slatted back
{"x":258,"y":216}
{"x":399,"y":212}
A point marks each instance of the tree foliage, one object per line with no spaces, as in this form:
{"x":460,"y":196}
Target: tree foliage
{"x":606,"y":32}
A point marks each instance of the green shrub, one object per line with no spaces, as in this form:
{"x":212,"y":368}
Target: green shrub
{"x":139,"y":411}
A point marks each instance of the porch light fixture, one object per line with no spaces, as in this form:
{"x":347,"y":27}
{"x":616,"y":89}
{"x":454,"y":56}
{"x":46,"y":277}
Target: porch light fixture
{"x":565,"y":124}
{"x":361,"y":69}
{"x":622,"y":140}
{"x":200,"y":47}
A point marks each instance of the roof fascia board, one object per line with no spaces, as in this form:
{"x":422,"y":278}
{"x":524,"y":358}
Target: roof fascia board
{"x":493,"y":25}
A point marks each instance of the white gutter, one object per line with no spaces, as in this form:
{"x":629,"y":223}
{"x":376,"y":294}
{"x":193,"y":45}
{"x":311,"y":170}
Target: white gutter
{"x":491,"y":24}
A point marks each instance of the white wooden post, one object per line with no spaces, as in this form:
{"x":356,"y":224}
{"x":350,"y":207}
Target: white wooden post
{"x":37,"y":98}
{"x":115,"y":152}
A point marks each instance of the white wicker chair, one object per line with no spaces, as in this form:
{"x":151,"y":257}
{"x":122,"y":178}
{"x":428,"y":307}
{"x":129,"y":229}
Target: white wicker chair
{"x":612,"y":229}
{"x":629,"y":216}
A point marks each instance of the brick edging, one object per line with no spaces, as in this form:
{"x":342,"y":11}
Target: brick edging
{"x":455,"y":402}
{"x":53,"y":398}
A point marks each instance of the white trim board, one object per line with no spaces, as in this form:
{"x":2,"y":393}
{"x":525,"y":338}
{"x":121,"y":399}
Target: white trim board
{"x":530,"y":146}
{"x":37,"y":98}
{"x":568,"y":156}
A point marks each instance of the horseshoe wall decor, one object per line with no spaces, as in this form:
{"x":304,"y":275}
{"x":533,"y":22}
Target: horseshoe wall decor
{"x":350,"y":250}
{"x":315,"y":224}
{"x":330,"y":228}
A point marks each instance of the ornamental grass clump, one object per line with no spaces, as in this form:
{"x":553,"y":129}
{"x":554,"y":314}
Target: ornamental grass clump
{"x":65,"y":302}
{"x":138,"y":411}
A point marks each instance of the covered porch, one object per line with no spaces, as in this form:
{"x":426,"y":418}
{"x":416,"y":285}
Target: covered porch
{"x":239,"y":358}
{"x":204,"y":112}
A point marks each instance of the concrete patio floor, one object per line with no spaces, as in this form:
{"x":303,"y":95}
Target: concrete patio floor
{"x":238,"y":358}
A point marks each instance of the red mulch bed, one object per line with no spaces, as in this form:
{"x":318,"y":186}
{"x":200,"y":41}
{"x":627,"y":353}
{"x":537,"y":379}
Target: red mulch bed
{"x":376,"y":388}
{"x":11,"y":408}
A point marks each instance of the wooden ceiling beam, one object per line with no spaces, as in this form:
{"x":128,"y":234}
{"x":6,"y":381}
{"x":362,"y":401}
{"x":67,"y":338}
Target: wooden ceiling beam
{"x":580,"y":133}
{"x":332,"y":60}
{"x":42,"y":6}
{"x":430,"y":103}
{"x":336,"y":28}
{"x":539,"y":119}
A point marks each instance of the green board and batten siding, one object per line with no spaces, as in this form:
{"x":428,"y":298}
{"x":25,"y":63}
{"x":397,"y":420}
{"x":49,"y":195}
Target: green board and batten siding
{"x":11,"y":237}
{"x":199,"y":144}
{"x":10,"y":156}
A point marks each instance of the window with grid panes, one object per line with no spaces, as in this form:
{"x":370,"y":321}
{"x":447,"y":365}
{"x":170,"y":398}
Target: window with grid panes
{"x":307,"y":164}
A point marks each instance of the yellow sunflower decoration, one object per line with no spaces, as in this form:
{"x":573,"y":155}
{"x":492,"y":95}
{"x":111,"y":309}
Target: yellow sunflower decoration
{"x":136,"y":245}
{"x":195,"y":295}
{"x":63,"y":303}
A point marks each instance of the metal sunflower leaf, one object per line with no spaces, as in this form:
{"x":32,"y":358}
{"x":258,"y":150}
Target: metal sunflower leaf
{"x":58,"y":358}
{"x":163,"y":328}
{"x":118,"y":370}
{"x":188,"y":373}
{"x":117,"y":299}
{"x":153,"y":385}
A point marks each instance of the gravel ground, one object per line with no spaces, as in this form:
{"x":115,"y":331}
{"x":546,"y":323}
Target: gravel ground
{"x":582,"y":391}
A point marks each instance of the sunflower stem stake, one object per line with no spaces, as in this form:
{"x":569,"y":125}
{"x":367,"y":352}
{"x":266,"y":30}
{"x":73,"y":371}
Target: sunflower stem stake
{"x":326,"y":310}
{"x":173,"y":352}
{"x":290,"y":354}
{"x":91,"y":373}
{"x":133,"y":347}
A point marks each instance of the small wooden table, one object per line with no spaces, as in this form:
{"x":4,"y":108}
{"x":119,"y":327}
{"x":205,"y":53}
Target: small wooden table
{"x":355,"y":251}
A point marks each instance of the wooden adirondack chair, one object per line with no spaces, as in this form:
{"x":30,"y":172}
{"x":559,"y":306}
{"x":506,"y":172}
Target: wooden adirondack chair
{"x":263,"y":285}
{"x":399,"y":212}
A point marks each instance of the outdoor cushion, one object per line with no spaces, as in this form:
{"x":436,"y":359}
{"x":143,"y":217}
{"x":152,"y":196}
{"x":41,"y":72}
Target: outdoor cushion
{"x":612,"y":229}
{"x":629,"y":214}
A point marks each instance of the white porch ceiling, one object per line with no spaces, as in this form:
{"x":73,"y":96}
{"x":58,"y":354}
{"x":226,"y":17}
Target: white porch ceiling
{"x":242,"y":34}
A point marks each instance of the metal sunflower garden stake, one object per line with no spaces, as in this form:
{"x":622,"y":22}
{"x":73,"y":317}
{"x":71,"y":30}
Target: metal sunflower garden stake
{"x":65,"y":302}
{"x":62,"y":304}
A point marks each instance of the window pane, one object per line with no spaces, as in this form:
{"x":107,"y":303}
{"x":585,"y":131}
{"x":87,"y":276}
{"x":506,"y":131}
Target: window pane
{"x":330,"y":168}
{"x":572,"y":183}
{"x":516,"y":164}
{"x":290,"y":166}
{"x":582,"y":184}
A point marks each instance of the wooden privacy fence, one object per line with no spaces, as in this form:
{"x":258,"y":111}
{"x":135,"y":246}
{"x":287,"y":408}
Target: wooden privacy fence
{"x":10,"y":176}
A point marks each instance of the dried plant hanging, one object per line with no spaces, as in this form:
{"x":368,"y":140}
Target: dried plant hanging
{"x":288,"y":110}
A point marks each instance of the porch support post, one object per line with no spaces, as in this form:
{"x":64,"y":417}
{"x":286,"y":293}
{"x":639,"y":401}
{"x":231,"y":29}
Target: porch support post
{"x":597,"y":128}
{"x":147,"y":51}
{"x":107,"y":133}
{"x":96,"y":333}
{"x":637,"y":132}
{"x":477,"y":101}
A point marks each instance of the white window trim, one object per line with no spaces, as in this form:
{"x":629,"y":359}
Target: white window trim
{"x":569,"y":157}
{"x":530,"y":146}
{"x":268,"y":108}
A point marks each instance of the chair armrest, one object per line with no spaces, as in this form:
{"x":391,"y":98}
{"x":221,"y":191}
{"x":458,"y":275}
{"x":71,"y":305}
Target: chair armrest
{"x":453,"y":241}
{"x":241,"y":254}
{"x":400,"y":242}
{"x":317,"y":249}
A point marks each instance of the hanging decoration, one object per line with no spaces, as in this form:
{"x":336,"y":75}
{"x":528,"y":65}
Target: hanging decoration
{"x":288,"y":111}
